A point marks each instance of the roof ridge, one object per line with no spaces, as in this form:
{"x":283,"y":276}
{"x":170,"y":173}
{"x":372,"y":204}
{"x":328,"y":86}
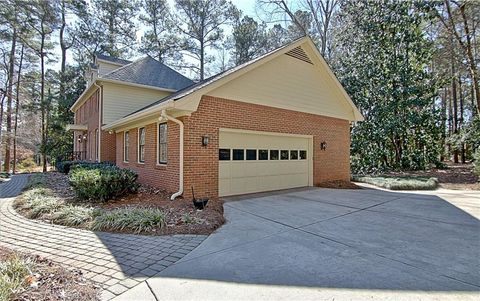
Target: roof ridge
{"x":123,"y":67}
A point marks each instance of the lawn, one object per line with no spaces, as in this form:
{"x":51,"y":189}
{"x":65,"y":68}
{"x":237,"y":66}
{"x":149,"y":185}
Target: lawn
{"x":50,"y":197}
{"x":24,"y":277}
{"x":399,"y":182}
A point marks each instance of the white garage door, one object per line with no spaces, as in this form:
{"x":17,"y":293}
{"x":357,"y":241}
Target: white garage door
{"x":258,"y":161}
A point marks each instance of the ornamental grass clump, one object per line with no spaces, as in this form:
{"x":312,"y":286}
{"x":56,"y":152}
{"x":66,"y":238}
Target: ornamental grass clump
{"x":102,"y":182}
{"x":13,"y":274}
{"x":133,"y":219}
{"x":74,"y":215}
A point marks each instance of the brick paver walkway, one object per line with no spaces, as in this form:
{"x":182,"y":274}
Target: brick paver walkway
{"x":116,"y":261}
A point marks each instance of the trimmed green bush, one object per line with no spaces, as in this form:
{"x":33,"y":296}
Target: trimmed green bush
{"x":399,"y":183}
{"x":66,"y":166}
{"x":136,"y":219}
{"x":102,"y":182}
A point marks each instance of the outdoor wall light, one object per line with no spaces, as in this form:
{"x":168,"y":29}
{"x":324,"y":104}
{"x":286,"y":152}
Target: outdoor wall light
{"x":323,"y":146}
{"x":85,"y":137}
{"x":79,"y":139}
{"x":205,"y":140}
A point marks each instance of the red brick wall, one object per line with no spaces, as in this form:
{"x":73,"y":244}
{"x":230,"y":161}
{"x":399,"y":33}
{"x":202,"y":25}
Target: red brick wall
{"x":87,"y":114}
{"x":163,"y":176}
{"x":201,"y":163}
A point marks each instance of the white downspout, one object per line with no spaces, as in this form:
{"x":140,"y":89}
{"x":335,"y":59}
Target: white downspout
{"x":164,"y":116}
{"x":100,"y":106}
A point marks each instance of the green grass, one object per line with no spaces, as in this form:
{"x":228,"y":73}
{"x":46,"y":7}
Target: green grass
{"x":399,"y":183}
{"x":13,"y":272}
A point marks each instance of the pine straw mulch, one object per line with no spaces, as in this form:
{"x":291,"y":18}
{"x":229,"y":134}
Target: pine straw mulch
{"x":50,"y":281}
{"x":456,"y":176}
{"x":339,"y":185}
{"x":178,"y":212}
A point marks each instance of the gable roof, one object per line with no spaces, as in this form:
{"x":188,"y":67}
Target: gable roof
{"x":112,"y":59}
{"x":185,"y":96}
{"x":192,"y":88}
{"x":149,"y":72}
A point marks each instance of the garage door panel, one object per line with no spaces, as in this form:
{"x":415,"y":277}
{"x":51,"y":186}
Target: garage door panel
{"x":247,"y":176}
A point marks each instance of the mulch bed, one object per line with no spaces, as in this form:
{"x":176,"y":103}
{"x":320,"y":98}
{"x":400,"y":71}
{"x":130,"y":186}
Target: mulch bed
{"x":339,"y":185}
{"x":206,"y":220}
{"x":455,"y":176}
{"x":50,"y":281}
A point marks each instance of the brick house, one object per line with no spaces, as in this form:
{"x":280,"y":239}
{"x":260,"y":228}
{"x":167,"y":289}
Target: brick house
{"x":279,"y":121}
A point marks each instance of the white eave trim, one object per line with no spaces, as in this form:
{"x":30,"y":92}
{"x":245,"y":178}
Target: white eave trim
{"x":76,"y":127}
{"x":121,"y":82}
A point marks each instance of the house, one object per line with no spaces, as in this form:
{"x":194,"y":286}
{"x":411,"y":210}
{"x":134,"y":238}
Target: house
{"x":116,"y":88}
{"x":279,"y":121}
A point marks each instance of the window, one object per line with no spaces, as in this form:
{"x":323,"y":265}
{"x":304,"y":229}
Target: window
{"x":251,"y":154}
{"x":284,"y":154}
{"x":238,"y":154}
{"x":303,"y":155}
{"x":273,"y":154}
{"x":141,"y":145}
{"x":125,"y":145}
{"x":262,"y":154}
{"x":162,"y":143}
{"x":293,"y":155}
{"x":224,"y":154}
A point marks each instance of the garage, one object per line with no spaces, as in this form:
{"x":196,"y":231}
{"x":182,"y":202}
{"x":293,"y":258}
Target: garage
{"x":251,"y":161}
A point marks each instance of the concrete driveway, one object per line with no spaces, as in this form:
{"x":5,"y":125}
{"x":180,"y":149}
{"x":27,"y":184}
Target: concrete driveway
{"x":325,"y":244}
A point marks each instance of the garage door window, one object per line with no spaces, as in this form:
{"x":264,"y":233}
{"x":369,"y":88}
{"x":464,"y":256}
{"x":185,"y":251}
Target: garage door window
{"x":293,"y":155}
{"x":303,"y":155}
{"x":238,"y":154}
{"x":273,"y":154}
{"x":262,"y":154}
{"x":284,"y":154}
{"x":251,"y":154}
{"x":224,"y":154}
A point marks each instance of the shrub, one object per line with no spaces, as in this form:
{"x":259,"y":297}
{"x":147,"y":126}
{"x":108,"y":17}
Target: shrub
{"x":399,"y":183}
{"x":476,"y":163}
{"x":66,"y":166}
{"x":136,"y":219}
{"x":27,"y":165}
{"x":102,"y":182}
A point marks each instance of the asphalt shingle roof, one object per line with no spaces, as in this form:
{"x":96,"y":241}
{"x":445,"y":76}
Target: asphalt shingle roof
{"x":112,"y":59}
{"x":196,"y":86}
{"x":150,"y":72}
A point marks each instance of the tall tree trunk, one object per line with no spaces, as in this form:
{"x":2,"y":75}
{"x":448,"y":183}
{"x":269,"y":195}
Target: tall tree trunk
{"x":11,"y":69}
{"x":42,"y":102}
{"x":17,"y":108}
{"x":471,"y":59}
{"x":460,"y":120}
{"x":444,"y":123}
{"x":63,"y":47}
{"x":455,"y":107}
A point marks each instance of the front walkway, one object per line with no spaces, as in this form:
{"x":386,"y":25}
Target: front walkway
{"x":116,"y":261}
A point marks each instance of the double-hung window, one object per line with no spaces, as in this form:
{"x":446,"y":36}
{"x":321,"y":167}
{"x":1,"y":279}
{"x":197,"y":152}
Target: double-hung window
{"x":141,"y":145}
{"x":162,"y":143}
{"x":125,"y":145}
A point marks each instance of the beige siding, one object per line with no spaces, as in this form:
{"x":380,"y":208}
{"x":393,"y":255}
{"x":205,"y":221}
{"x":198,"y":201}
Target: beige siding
{"x":121,"y":100}
{"x":104,"y":68}
{"x":288,"y":83}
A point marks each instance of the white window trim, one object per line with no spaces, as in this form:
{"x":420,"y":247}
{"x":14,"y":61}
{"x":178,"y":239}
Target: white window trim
{"x":138,"y":144}
{"x":126,"y":153}
{"x":158,"y":145}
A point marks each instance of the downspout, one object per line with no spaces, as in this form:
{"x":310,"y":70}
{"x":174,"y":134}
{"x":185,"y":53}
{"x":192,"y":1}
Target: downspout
{"x":100,"y":105}
{"x":164,"y":116}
